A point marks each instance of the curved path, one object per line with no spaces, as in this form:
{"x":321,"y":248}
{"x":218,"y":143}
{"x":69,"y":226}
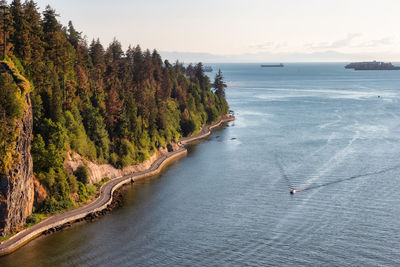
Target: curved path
{"x":105,"y":197}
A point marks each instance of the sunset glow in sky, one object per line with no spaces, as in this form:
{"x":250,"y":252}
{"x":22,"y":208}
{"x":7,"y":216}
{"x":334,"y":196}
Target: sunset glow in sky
{"x":297,"y":30}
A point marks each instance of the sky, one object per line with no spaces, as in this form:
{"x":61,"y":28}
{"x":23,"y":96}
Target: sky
{"x":243,"y":31}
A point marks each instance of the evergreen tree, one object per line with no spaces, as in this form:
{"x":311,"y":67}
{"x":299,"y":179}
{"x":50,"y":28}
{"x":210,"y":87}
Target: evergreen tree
{"x":219,"y":84}
{"x":96,"y":52}
{"x":74,"y":37}
{"x":33,"y":19}
{"x":58,"y":50}
{"x":109,"y":106}
{"x":138,"y":64}
{"x":6,"y":28}
{"x":20,"y":34}
{"x":114,"y":107}
{"x":114,"y":51}
{"x":157,"y":64}
{"x":50,"y":23}
{"x":165,"y":88}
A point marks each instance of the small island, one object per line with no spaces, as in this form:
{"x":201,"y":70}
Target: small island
{"x":372,"y":65}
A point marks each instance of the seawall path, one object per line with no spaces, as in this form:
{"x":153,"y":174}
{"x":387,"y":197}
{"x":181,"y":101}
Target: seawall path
{"x":105,"y":197}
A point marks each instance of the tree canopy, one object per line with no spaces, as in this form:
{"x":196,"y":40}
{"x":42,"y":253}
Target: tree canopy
{"x":107,"y":104}
{"x":219,"y":84}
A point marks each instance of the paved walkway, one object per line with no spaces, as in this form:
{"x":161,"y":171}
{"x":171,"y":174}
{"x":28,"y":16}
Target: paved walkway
{"x":105,"y":195}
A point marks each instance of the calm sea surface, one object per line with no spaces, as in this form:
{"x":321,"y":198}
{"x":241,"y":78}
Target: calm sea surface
{"x":331,"y":132}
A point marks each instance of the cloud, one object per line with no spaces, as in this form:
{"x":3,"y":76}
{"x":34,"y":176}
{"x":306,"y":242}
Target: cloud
{"x":192,"y":57}
{"x":341,"y":43}
{"x":346,"y":41}
{"x":353,"y":41}
{"x":316,"y":56}
{"x":265,"y":46}
{"x":379,"y":42}
{"x":354,"y":47}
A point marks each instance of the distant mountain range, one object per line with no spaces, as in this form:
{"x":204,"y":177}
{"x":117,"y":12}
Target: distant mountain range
{"x":325,"y":56}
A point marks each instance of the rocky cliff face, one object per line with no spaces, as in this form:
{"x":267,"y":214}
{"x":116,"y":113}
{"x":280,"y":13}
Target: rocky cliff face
{"x":99,"y":171}
{"x":16,"y":186}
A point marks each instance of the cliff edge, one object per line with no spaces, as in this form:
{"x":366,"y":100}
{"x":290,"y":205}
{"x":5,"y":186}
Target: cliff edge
{"x":16,"y":175}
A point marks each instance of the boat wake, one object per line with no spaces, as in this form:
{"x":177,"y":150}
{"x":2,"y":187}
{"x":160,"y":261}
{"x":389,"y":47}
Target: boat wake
{"x":283,"y":173}
{"x":315,"y":186}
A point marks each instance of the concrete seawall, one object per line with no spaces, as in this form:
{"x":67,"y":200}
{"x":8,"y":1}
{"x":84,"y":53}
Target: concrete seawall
{"x":105,"y":198}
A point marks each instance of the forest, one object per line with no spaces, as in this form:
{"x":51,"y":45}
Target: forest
{"x":104,"y":103}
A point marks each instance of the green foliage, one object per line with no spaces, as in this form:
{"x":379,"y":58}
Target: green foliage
{"x":91,"y":190}
{"x":50,"y":154}
{"x":103,"y":181}
{"x":11,"y":109}
{"x":82,"y":191}
{"x":82,"y":175}
{"x":128,"y":154}
{"x":169,"y":121}
{"x":13,"y":89}
{"x":219,"y":84}
{"x":11,"y":100}
{"x":34,"y":218}
{"x":73,"y":183}
{"x":56,"y":182}
{"x":107,"y":104}
{"x":52,"y":206}
{"x":188,"y":127}
{"x":78,"y":139}
{"x":212,"y":114}
{"x":96,"y":129}
{"x":74,"y":37}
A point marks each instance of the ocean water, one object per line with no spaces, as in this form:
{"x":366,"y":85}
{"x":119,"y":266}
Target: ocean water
{"x":331,"y":133}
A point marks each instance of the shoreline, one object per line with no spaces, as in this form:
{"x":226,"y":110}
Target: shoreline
{"x":105,"y":198}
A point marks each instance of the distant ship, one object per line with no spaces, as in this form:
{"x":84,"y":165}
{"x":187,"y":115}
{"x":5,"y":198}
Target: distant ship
{"x":272,"y":65}
{"x":208,"y":69}
{"x":372,"y":65}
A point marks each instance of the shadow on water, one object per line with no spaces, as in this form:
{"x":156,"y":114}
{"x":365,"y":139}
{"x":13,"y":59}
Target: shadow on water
{"x":348,"y":179}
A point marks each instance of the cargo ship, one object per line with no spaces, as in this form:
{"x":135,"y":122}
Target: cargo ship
{"x":272,"y":65}
{"x":372,"y":65}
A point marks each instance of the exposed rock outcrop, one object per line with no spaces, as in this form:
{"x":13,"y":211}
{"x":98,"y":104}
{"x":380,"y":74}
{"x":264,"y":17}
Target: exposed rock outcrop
{"x":99,"y":171}
{"x":40,"y":193}
{"x":16,"y":186}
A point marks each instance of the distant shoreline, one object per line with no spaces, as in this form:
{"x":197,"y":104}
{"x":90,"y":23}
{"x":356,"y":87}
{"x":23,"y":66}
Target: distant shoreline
{"x":106,"y":196}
